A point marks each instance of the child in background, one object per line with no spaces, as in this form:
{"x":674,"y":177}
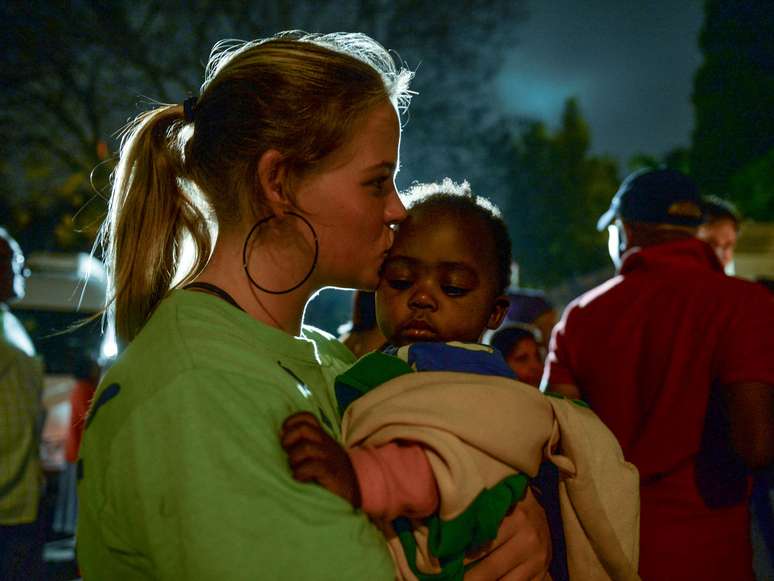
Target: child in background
{"x":532,"y":307}
{"x":442,"y":286}
{"x":361,"y":335}
{"x":519,"y":345}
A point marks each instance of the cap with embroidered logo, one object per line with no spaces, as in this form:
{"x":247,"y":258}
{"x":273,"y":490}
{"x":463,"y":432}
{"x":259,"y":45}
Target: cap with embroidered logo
{"x":660,"y":196}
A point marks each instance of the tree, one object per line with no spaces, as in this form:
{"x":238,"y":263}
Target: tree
{"x":75,"y":72}
{"x":557,"y":191}
{"x":734,"y":104}
{"x":678,"y":158}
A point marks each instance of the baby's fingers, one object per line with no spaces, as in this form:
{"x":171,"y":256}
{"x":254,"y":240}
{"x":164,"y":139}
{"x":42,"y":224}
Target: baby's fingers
{"x":303,"y":427}
{"x":310,"y":470}
{"x":298,"y":419}
{"x":304,"y":450}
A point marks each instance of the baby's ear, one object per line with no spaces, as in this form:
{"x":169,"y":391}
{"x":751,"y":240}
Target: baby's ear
{"x":499,"y":311}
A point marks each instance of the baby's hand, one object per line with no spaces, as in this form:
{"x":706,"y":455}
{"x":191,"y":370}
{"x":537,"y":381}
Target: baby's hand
{"x":316,"y":457}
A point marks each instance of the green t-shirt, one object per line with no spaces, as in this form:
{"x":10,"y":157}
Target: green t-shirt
{"x":182,"y":474}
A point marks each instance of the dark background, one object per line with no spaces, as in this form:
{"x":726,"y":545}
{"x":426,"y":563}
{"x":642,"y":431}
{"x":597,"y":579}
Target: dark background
{"x":542,"y":106}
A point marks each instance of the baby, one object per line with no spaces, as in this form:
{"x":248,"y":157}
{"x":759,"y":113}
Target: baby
{"x":443,"y":284}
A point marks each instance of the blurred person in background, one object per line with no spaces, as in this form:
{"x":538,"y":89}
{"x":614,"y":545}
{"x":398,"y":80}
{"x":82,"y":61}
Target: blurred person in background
{"x":720,"y":229}
{"x":519,"y":345}
{"x":87,"y":372}
{"x":21,"y":422}
{"x":362,"y":334}
{"x":676,"y":358}
{"x":532,"y":307}
{"x":63,"y":483}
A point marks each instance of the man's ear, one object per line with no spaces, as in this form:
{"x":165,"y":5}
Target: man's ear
{"x":499,"y":311}
{"x":626,"y":234}
{"x":272,"y":177}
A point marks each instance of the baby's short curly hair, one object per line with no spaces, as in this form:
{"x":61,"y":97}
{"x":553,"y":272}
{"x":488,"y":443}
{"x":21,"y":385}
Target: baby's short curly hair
{"x":460,"y":199}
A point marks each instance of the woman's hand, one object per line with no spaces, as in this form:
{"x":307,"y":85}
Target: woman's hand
{"x":522,"y":549}
{"x":314,"y":456}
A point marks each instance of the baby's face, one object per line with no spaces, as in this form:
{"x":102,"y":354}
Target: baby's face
{"x":439,"y":281}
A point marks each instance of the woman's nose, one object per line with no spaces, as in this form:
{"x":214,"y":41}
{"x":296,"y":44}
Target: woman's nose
{"x":394,"y":210}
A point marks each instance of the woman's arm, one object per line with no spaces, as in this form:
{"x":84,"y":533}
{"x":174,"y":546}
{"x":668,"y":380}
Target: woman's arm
{"x":521,"y":550}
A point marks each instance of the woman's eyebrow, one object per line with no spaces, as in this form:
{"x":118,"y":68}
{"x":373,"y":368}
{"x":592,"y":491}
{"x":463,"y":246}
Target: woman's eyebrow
{"x":385,"y":165}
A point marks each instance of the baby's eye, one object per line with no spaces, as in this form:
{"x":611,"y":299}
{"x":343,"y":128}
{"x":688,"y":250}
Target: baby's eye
{"x":399,"y":284}
{"x":454,"y":291}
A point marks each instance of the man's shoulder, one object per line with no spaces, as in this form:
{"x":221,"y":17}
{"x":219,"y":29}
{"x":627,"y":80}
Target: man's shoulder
{"x":591,"y":298}
{"x":11,"y":353}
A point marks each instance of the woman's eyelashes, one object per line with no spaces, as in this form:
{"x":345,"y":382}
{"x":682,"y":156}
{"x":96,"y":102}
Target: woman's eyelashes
{"x":380,"y":184}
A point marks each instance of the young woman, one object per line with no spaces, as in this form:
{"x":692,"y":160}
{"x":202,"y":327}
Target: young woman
{"x":289,"y":154}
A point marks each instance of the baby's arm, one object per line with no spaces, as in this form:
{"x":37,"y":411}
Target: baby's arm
{"x":389,"y":481}
{"x":314,"y":456}
{"x":395,"y":480}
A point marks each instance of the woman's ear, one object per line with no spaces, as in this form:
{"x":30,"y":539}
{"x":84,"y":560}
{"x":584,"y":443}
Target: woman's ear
{"x":272,"y":177}
{"x":499,"y":311}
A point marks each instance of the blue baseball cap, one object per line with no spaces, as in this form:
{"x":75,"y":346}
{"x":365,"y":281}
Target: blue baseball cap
{"x":660,"y":196}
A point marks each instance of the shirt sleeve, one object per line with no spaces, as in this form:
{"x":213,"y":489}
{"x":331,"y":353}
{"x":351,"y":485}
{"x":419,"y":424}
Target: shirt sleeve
{"x":557,"y":368}
{"x":745,"y":349}
{"x":395,"y":480}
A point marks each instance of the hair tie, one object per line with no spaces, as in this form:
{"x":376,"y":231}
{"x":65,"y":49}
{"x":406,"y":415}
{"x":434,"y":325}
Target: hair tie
{"x":189,"y":108}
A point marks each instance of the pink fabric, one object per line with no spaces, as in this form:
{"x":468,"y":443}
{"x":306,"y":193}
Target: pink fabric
{"x":395,"y":480}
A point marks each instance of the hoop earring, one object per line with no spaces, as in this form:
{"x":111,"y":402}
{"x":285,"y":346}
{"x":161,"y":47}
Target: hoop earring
{"x":308,"y":274}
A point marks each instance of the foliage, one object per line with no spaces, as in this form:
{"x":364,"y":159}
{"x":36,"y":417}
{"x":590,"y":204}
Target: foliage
{"x":752,"y":187}
{"x":556,"y":192}
{"x":75,"y":72}
{"x":734,"y":104}
{"x":678,"y":158}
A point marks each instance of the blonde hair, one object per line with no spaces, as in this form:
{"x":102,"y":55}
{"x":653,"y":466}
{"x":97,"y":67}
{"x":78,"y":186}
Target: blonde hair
{"x":298,"y":93}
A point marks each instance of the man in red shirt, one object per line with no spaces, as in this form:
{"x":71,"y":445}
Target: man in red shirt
{"x":678,"y":360}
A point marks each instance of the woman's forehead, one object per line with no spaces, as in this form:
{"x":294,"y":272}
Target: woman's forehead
{"x":373,"y":140}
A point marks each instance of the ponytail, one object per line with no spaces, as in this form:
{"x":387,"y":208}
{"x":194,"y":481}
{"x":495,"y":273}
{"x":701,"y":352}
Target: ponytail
{"x":152,"y":217}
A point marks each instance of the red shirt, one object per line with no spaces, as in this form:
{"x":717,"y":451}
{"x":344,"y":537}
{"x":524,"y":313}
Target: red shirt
{"x":645,"y":350}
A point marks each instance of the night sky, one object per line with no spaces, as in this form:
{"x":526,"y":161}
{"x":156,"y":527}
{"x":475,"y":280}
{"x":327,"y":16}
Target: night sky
{"x":630,"y":63}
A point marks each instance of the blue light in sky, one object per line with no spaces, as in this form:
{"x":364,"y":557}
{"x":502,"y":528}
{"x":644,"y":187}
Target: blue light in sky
{"x":537,"y":97}
{"x":631,"y":65}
